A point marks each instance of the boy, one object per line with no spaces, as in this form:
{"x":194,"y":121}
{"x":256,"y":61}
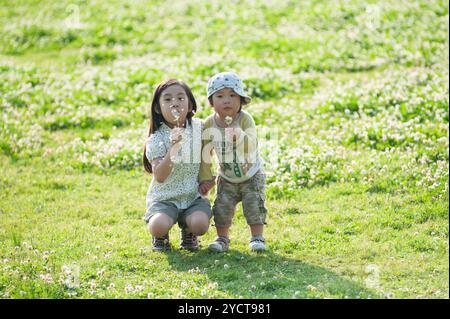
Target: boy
{"x":231,"y":133}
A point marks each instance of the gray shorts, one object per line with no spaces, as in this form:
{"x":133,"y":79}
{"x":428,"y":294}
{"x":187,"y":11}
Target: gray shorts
{"x":178,"y":215}
{"x":252,"y":195}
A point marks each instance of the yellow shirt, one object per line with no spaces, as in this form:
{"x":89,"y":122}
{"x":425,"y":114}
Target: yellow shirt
{"x":238,"y":160}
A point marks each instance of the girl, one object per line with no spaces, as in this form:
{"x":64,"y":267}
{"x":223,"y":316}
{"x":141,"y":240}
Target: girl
{"x":231,"y":133}
{"x":172,"y":153}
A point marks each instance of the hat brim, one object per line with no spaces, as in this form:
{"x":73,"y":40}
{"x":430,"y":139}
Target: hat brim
{"x":247,"y":99}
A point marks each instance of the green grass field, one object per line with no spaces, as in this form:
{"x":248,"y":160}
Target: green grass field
{"x":351,"y":103}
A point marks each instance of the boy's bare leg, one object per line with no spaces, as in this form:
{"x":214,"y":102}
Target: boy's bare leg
{"x":257,"y":229}
{"x":223,"y":231}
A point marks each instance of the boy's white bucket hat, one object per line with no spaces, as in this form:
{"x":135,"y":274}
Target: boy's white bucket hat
{"x":227,"y":80}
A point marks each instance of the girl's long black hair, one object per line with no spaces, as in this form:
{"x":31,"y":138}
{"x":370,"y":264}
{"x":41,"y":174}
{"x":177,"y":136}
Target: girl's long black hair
{"x":156,"y":118}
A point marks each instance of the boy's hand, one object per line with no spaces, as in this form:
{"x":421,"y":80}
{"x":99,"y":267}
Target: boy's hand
{"x":205,"y":186}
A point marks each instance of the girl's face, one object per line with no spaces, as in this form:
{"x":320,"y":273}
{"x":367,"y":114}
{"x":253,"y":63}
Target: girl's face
{"x":226,"y":102}
{"x":174,"y":104}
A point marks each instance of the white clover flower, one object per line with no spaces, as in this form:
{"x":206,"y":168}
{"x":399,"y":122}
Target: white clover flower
{"x":47,"y":278}
{"x":129,"y":288}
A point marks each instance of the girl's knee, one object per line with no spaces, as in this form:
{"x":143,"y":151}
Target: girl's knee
{"x":200,"y":229}
{"x":159,"y":225}
{"x":198,"y":223}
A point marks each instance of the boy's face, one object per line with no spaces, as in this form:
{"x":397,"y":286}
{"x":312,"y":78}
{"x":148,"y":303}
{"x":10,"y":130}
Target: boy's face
{"x":174,"y":104}
{"x":226,"y":102}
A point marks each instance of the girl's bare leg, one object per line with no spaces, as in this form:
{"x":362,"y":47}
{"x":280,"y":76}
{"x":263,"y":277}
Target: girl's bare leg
{"x":197,"y":223}
{"x":160,"y":224}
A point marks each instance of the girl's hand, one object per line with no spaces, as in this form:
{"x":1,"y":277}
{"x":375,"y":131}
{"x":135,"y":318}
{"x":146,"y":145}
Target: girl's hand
{"x":176,"y":135}
{"x":205,"y":186}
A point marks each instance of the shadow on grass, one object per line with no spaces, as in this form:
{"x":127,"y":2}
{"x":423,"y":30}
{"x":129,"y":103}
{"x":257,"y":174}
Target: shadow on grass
{"x":267,"y":275}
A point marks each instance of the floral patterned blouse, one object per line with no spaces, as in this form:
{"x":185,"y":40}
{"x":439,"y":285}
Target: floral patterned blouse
{"x":181,"y":186}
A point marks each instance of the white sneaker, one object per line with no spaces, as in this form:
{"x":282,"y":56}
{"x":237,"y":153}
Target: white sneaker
{"x":258,"y":244}
{"x":220,"y":245}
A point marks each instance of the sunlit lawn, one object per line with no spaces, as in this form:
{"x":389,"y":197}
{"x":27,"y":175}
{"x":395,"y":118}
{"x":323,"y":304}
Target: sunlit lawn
{"x":351,"y":104}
